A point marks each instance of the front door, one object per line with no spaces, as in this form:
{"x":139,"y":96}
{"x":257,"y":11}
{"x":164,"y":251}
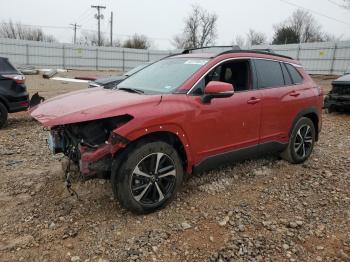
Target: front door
{"x":226,"y":124}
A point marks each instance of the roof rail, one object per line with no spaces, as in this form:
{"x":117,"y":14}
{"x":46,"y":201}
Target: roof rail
{"x":230,"y":47}
{"x":256,"y":51}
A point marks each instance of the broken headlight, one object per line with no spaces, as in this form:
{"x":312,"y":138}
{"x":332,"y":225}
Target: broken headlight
{"x":56,"y":141}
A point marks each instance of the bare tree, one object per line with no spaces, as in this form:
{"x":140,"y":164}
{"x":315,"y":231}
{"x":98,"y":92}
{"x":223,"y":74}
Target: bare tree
{"x":19,"y":31}
{"x":305,"y":26}
{"x":301,"y":27}
{"x":179,"y":42}
{"x":90,"y":38}
{"x":199,"y":31}
{"x":255,"y":38}
{"x":240,"y":41}
{"x":137,"y":42}
{"x":333,"y":38}
{"x":346,"y":4}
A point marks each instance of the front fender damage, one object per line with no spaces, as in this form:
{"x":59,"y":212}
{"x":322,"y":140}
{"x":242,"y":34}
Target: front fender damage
{"x":95,"y":160}
{"x":90,"y":145}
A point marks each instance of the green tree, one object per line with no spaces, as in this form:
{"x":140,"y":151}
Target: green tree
{"x":285,"y":35}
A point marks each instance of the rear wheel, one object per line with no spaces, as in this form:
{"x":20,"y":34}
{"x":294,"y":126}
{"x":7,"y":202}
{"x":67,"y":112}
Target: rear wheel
{"x":148,"y":177}
{"x":3,"y":115}
{"x":301,"y":142}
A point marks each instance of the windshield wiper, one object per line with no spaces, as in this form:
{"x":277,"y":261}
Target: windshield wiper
{"x":131,"y":90}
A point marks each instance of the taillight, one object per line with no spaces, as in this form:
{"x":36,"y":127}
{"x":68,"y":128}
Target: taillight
{"x":19,"y":79}
{"x":24,"y":104}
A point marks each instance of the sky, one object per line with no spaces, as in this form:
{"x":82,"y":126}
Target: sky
{"x":161,"y":20}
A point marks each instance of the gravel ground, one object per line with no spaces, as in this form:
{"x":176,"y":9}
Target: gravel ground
{"x":259,"y":210}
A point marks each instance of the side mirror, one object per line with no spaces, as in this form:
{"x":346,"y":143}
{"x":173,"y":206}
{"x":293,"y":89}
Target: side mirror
{"x":216,"y":89}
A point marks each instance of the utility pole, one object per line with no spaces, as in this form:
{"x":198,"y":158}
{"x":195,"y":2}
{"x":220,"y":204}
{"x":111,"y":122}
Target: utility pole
{"x":98,"y":16}
{"x":111,"y":21}
{"x":75,"y":26}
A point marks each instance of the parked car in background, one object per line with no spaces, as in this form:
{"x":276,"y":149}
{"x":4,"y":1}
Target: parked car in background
{"x":111,"y":82}
{"x":338,"y":98}
{"x":13,"y":92}
{"x":185,"y":114}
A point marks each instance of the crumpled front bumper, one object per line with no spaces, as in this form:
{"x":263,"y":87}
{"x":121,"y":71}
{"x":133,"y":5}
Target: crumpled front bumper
{"x":95,"y":160}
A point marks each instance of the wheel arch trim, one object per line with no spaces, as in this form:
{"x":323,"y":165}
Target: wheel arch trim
{"x":172,"y":129}
{"x":304,"y":113}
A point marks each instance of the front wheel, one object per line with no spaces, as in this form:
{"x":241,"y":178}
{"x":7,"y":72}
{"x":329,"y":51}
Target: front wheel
{"x":148,"y":177}
{"x":301,"y":142}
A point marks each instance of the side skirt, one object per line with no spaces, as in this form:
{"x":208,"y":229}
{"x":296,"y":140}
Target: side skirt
{"x":238,"y":155}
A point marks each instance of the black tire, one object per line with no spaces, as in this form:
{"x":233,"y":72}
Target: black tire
{"x":3,"y":115}
{"x":301,"y":142}
{"x":141,"y":194}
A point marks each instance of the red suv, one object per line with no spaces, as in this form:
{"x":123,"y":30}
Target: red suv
{"x":185,"y":113}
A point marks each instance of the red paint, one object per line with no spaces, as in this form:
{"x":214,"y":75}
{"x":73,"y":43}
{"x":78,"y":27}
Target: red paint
{"x":215,"y":87}
{"x":205,"y":129}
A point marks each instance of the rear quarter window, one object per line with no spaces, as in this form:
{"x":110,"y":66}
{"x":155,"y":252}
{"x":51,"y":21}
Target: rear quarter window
{"x":294,"y":74}
{"x":6,"y":67}
{"x":269,"y":73}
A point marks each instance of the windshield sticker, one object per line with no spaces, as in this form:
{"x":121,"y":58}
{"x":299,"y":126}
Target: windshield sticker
{"x":196,"y":62}
{"x":168,"y":87}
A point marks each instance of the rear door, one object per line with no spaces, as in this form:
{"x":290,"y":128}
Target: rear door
{"x":279,"y":102}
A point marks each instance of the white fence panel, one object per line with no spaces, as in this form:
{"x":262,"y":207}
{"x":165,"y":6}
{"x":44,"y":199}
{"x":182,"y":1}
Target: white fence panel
{"x":317,"y":58}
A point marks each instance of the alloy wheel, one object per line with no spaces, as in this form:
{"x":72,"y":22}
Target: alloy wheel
{"x":303,"y":141}
{"x":153,"y":179}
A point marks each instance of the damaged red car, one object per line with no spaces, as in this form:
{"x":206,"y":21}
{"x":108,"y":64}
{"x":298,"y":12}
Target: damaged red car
{"x":183,"y":114}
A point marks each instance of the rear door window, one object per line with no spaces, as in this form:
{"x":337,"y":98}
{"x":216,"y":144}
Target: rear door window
{"x":287,"y":78}
{"x":269,"y":73}
{"x":295,"y":75}
{"x":6,"y":67}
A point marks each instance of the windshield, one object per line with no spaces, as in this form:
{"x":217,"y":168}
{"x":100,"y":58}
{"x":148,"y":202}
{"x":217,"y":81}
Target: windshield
{"x":136,"y":69}
{"x":164,"y":76}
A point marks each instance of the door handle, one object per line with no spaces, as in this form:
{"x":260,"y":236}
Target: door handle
{"x":253,"y":101}
{"x":294,"y":93}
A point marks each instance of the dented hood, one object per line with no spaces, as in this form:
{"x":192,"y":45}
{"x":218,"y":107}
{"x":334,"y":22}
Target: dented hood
{"x":89,"y":104}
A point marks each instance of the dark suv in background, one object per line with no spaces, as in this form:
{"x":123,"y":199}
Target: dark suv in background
{"x":13,"y":92}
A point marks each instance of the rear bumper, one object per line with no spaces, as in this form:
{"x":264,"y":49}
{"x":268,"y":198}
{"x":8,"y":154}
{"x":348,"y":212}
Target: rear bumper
{"x":19,"y":106}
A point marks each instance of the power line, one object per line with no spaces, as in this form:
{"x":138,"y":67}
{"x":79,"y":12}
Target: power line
{"x":99,"y":16}
{"x":87,"y":10}
{"x":86,"y":17}
{"x":75,"y":26}
{"x":315,"y":12}
{"x":42,"y":26}
{"x":85,"y":29}
{"x":339,"y":5}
